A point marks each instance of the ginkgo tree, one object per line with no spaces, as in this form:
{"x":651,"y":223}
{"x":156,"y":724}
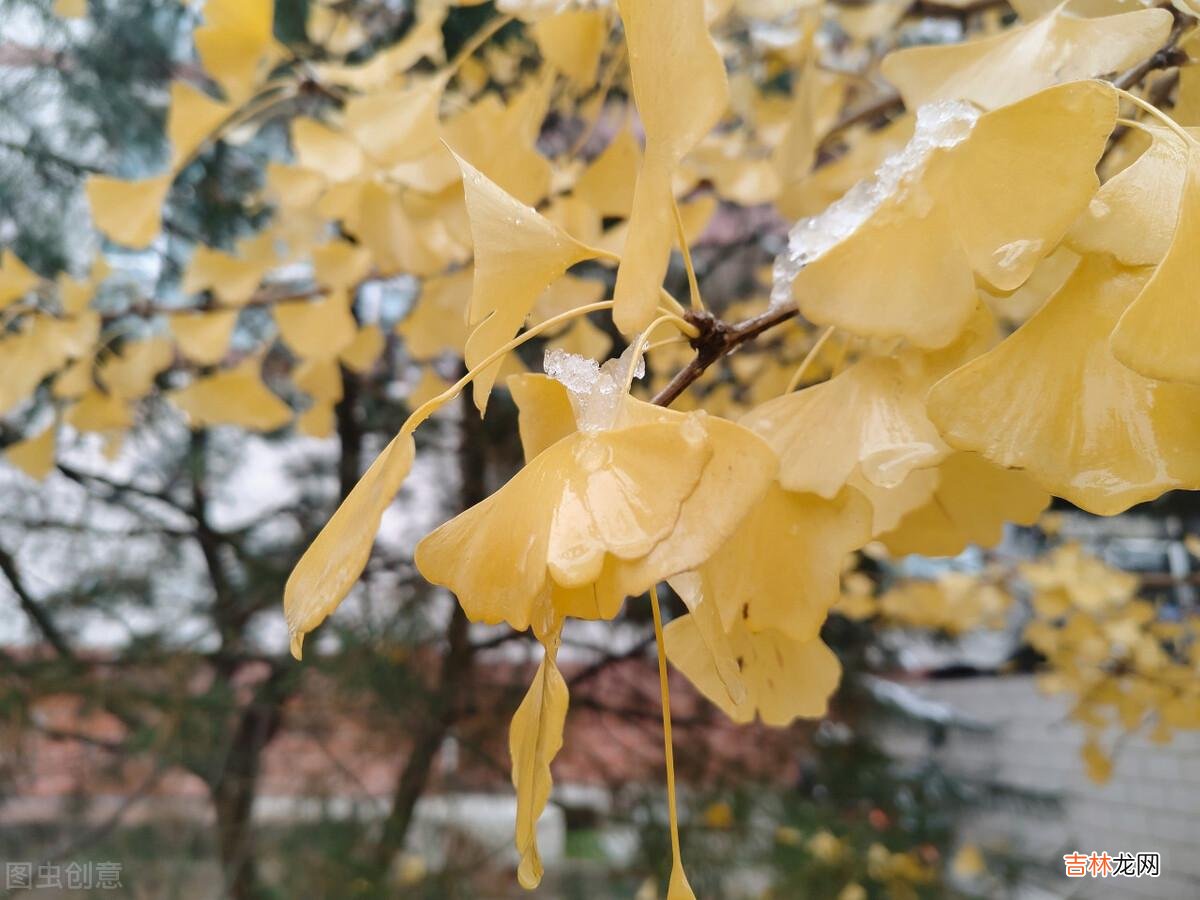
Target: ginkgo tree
{"x":983,"y":301}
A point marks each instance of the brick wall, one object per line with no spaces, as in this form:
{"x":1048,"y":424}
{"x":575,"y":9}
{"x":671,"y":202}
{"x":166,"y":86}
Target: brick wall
{"x":1152,"y":802}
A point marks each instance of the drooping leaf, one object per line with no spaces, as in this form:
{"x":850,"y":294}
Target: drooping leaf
{"x":535,"y":737}
{"x":681,"y":91}
{"x":335,"y":560}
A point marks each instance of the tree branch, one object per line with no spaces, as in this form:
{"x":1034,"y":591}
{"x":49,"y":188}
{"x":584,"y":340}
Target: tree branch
{"x":40,"y":618}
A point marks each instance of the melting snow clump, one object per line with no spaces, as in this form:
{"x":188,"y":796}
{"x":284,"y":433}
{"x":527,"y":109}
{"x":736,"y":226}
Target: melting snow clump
{"x":939,"y":126}
{"x":596,"y":390}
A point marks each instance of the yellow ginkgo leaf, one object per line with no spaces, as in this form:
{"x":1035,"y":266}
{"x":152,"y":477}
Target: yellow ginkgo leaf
{"x":387,"y":228}
{"x":317,"y":421}
{"x":74,"y":296}
{"x":891,"y":504}
{"x":513,"y":163}
{"x":809,"y":196}
{"x":202,"y":335}
{"x":565,"y":294}
{"x":34,"y":456}
{"x":1097,"y":763}
{"x":1099,"y":435}
{"x":75,"y":380}
{"x":518,"y":254}
{"x":234,"y":396}
{"x":572,"y":41}
{"x":607,"y":184}
{"x":340,"y":265}
{"x":738,"y":474}
{"x":100,"y":412}
{"x":397,"y":125}
{"x":544,"y":413}
{"x":781,"y":568}
{"x":362,"y":352}
{"x":1005,"y":67}
{"x":970,"y":505}
{"x":231,"y":278}
{"x":785,"y":679}
{"x":70,"y":9}
{"x":438,"y":321}
{"x":816,"y":102}
{"x":582,"y":338}
{"x":321,"y":379}
{"x":535,"y":737}
{"x":1134,"y":214}
{"x":681,"y":91}
{"x":293,"y":187}
{"x":591,"y":502}
{"x":319,"y":329}
{"x":706,"y":617}
{"x":971,"y":195}
{"x":321,"y":149}
{"x":870,"y":418}
{"x":968,"y":862}
{"x":192,"y":117}
{"x":335,"y":560}
{"x":16,"y":279}
{"x":127,"y":212}
{"x":236,"y":44}
{"x":131,"y":374}
{"x":1158,"y":335}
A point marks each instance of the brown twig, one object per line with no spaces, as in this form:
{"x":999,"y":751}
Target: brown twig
{"x":718,"y":339}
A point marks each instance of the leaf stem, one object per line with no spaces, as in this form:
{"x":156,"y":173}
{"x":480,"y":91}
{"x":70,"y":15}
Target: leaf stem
{"x":1158,"y":114}
{"x":693,"y":283}
{"x":429,"y":407}
{"x":639,"y":342}
{"x":808,"y":358}
{"x":668,"y":749}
